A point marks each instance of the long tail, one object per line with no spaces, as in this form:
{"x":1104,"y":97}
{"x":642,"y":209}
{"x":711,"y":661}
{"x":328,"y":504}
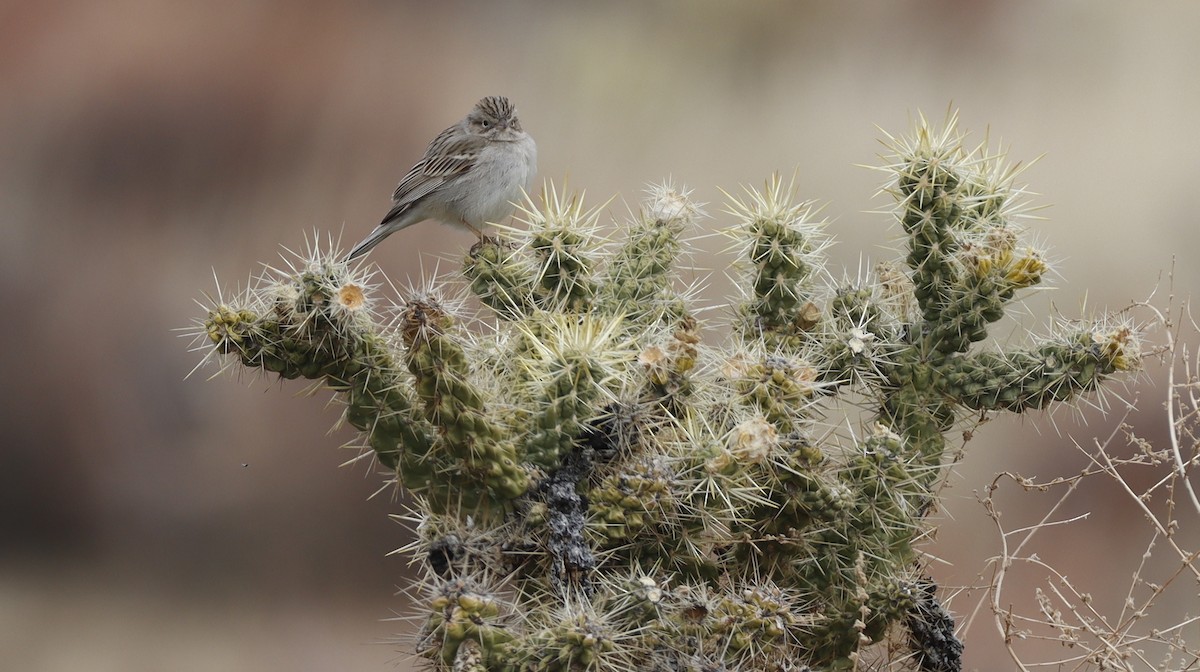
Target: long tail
{"x":382,"y":231}
{"x":399,"y":217}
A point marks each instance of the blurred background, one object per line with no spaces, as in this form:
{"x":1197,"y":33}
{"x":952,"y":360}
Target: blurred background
{"x":149,"y":522}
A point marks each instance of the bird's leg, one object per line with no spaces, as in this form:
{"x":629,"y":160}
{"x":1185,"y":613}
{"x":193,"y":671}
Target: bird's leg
{"x":478,"y":232}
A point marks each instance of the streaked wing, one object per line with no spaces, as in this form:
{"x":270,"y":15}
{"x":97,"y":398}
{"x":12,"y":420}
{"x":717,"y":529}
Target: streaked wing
{"x":449,"y":155}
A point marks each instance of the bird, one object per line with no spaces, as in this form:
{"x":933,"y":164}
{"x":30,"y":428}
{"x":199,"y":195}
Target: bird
{"x":471,"y":174}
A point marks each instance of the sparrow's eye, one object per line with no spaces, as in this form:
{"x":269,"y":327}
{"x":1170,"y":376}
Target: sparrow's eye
{"x":485,"y":123}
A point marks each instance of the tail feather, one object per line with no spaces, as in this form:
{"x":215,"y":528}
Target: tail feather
{"x":382,"y":231}
{"x":397,"y":218}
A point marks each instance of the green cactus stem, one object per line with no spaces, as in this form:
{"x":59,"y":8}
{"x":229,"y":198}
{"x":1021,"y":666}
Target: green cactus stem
{"x":604,"y":481}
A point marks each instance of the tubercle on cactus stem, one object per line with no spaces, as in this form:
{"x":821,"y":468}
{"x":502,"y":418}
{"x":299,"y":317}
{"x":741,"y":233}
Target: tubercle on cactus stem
{"x":598,"y":488}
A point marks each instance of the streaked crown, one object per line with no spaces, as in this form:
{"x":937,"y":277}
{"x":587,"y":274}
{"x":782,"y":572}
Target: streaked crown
{"x":497,"y":107}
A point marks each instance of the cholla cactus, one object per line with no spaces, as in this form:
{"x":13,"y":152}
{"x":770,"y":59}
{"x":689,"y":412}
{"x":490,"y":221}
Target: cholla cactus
{"x":598,"y":489}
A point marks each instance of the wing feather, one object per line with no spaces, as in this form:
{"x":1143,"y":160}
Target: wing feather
{"x":449,"y":155}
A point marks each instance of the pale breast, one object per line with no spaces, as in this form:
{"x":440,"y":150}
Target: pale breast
{"x":496,"y":181}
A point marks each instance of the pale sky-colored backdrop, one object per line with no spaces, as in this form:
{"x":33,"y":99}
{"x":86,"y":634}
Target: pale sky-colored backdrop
{"x":146,"y":144}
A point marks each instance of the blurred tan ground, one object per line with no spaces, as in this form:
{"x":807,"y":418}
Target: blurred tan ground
{"x":146,"y":144}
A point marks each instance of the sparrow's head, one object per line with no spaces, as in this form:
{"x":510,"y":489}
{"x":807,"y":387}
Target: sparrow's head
{"x":495,"y":118}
